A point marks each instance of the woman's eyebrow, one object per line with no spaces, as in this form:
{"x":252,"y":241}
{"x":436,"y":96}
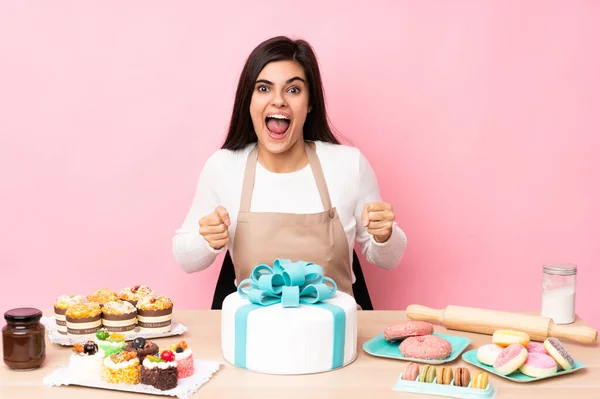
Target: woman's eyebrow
{"x":265,"y":81}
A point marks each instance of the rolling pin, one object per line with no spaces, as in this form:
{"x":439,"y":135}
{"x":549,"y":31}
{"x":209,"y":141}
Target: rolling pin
{"x":486,"y":321}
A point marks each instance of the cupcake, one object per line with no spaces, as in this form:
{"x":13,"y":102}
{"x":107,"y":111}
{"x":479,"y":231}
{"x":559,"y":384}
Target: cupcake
{"x":142,"y":347}
{"x":111,"y":343}
{"x":135,"y":293}
{"x":119,"y":316}
{"x":86,"y":362}
{"x":185,"y":361}
{"x":160,"y":371}
{"x":83,"y":319}
{"x":61,"y":305}
{"x":122,"y":368}
{"x":103,"y":295}
{"x":154,"y":313}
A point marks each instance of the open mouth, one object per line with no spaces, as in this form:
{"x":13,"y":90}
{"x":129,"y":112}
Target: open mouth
{"x":277,"y":125}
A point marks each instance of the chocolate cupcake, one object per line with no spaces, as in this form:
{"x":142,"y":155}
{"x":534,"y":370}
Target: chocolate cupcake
{"x":154,"y":313}
{"x":61,"y":305}
{"x":135,"y":293}
{"x":142,"y":347}
{"x":119,"y":316}
{"x":83,"y":320}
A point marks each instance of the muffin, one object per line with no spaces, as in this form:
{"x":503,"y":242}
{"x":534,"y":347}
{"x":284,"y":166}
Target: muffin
{"x":86,"y":362}
{"x":83,"y":319}
{"x":119,"y":316}
{"x":122,"y":368}
{"x":110,"y":342}
{"x":183,"y":356}
{"x":61,"y":305}
{"x":142,"y":347}
{"x":135,"y":293}
{"x":154,"y":313}
{"x":160,"y":371}
{"x":103,"y":295}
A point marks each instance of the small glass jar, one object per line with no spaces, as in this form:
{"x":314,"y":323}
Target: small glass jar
{"x":23,"y":339}
{"x":558,"y":292}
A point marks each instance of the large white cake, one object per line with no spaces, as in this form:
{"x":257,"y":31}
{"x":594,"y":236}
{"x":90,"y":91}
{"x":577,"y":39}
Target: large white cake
{"x":289,"y":340}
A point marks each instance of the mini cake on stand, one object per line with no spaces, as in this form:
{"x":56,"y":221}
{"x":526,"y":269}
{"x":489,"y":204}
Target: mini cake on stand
{"x":142,"y":347}
{"x":61,"y":305}
{"x":83,"y":320}
{"x":154,"y":314}
{"x":86,"y":362}
{"x":110,"y":343}
{"x":160,"y":371}
{"x":119,"y":316}
{"x":122,"y":368}
{"x":135,"y":293}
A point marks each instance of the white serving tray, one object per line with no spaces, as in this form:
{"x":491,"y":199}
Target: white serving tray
{"x":186,"y":387}
{"x":69,"y":340}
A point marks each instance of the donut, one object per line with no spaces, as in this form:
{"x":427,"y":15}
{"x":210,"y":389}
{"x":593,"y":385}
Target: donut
{"x":538,"y":365}
{"x":403,"y":329}
{"x":559,"y":353}
{"x":505,"y":338}
{"x":488,"y":353}
{"x":510,"y":359}
{"x":536,"y":347}
{"x":430,"y":347}
{"x":411,"y":372}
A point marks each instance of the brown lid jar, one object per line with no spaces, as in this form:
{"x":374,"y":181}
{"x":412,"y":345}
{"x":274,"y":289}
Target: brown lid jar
{"x":23,"y":339}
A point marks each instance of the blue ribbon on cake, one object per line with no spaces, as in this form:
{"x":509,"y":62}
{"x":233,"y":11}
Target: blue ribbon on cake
{"x":289,"y":284}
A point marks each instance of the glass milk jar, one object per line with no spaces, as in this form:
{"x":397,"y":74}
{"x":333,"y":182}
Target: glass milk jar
{"x":558,"y":292}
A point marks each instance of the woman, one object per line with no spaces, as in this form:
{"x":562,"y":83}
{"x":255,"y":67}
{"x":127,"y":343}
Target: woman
{"x":282,"y":186}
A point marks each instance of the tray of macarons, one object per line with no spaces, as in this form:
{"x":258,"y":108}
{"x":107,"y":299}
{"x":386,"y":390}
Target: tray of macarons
{"x":457,"y":382}
{"x":513,"y":356}
{"x":416,"y":341}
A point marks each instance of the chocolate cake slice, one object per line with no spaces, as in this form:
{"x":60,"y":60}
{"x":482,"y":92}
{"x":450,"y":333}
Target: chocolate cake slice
{"x":160,"y":372}
{"x":142,"y":347}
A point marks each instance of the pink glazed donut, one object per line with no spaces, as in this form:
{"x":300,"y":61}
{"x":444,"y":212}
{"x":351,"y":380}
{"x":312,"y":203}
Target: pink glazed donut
{"x":539,"y":365}
{"x":535,"y":347}
{"x":430,"y":347}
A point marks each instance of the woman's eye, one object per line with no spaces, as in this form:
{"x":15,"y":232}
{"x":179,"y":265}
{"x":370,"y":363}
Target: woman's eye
{"x":262,"y":88}
{"x":294,"y":90}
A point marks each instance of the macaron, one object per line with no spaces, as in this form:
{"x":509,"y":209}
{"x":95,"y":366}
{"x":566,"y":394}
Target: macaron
{"x":411,"y":372}
{"x":480,"y":380}
{"x":510,"y":359}
{"x":462,"y":377}
{"x":444,"y":375}
{"x":427,"y":374}
{"x":558,"y":352}
{"x":488,"y":353}
{"x":539,"y":365}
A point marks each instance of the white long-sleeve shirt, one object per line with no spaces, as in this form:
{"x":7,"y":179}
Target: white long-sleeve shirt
{"x":350,"y":180}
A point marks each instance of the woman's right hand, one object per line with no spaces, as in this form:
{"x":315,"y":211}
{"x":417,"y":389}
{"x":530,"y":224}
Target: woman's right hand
{"x":214,"y":228}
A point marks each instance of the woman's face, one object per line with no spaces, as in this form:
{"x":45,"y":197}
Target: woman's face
{"x":279,"y":105}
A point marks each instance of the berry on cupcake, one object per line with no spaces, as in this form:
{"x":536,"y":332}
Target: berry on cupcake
{"x":160,"y":371}
{"x":185,"y":361}
{"x":154,"y":313}
{"x":142,"y":347}
{"x":111,"y":343}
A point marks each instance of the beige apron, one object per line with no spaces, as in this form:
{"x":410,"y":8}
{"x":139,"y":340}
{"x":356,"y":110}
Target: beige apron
{"x":261,"y":237}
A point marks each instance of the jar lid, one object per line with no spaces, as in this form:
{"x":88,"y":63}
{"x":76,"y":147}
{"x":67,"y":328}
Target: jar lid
{"x":561,"y":269}
{"x":24,"y":315}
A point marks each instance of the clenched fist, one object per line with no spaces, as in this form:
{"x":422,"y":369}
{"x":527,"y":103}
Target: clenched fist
{"x":214,"y":228}
{"x":378,"y":218}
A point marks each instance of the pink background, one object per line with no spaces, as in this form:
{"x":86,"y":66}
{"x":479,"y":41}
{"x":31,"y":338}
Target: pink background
{"x":480,"y":118}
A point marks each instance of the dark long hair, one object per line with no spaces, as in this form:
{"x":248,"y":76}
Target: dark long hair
{"x":280,"y":48}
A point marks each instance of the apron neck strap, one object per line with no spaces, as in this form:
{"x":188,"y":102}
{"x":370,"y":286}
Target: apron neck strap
{"x":250,"y":173}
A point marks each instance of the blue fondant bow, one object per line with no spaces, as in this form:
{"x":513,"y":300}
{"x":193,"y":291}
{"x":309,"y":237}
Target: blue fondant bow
{"x":290,"y":283}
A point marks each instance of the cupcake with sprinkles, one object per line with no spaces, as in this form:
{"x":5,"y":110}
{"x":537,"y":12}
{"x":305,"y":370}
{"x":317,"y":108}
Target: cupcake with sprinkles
{"x":83,"y":320}
{"x":154,"y":313}
{"x":119,"y":316}
{"x":122,"y":368}
{"x":160,"y":371}
{"x":110,"y":342}
{"x":135,"y":293}
{"x":61,"y":305}
{"x":183,"y":356}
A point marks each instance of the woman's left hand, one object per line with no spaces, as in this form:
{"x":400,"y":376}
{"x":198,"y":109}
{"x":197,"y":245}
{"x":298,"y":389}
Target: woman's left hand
{"x":378,"y":218}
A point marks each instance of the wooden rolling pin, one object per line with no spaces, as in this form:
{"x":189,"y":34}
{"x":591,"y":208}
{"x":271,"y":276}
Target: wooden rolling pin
{"x":486,"y":321}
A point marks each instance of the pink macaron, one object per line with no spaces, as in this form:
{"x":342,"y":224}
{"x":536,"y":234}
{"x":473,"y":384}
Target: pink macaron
{"x":510,"y":359}
{"x":539,"y":365}
{"x":411,"y":372}
{"x":536,"y":347}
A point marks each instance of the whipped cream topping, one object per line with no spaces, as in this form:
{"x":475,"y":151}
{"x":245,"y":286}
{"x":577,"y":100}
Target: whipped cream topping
{"x":162,"y":365}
